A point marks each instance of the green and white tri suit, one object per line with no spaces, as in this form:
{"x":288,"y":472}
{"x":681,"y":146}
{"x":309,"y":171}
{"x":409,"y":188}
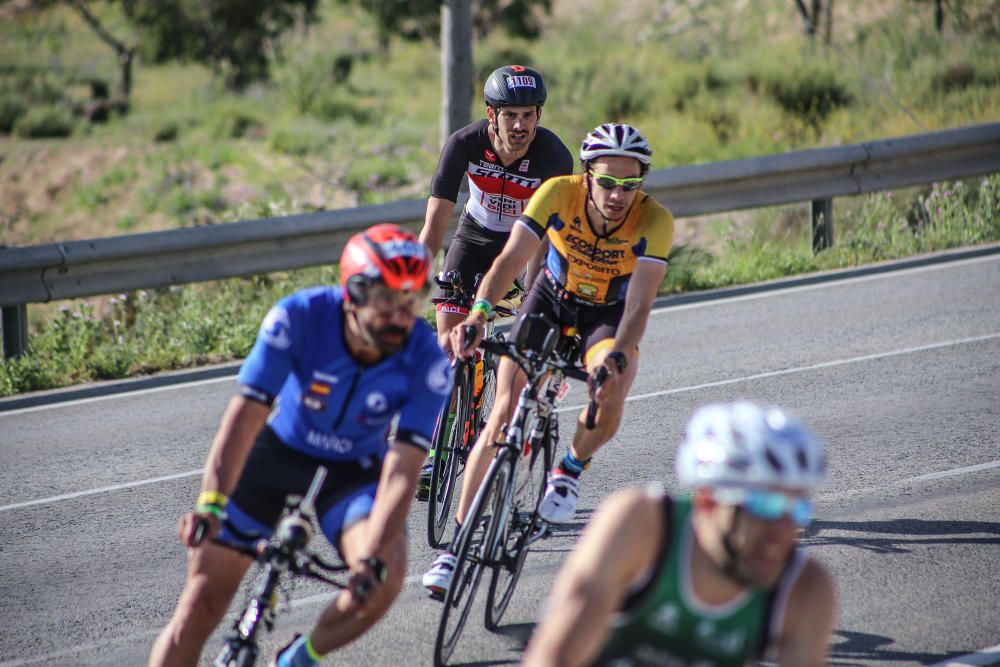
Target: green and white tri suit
{"x":663,"y":623}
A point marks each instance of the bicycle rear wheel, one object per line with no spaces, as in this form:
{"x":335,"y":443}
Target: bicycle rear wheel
{"x":521,"y":524}
{"x":449,"y":454}
{"x":473,"y":552}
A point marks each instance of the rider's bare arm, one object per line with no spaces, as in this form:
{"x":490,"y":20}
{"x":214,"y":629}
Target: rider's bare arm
{"x":396,"y":487}
{"x":240,"y":424}
{"x":519,"y":249}
{"x":242,"y":421}
{"x":436,"y":219}
{"x":535,"y":265}
{"x":642,"y":289}
{"x":809,"y":619}
{"x":615,"y":549}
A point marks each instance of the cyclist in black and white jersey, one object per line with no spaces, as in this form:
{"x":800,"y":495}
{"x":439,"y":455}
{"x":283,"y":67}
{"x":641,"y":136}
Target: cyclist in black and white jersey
{"x":506,"y":157}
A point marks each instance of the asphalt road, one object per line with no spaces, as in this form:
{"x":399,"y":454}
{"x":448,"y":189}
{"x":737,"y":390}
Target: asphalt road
{"x":898,"y":371}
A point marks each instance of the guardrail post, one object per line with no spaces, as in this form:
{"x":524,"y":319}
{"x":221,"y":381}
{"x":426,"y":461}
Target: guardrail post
{"x":15,"y":330}
{"x":822,"y":224}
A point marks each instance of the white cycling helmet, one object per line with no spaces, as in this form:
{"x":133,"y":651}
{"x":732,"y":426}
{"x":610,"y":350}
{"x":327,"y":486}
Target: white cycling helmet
{"x":612,"y":139}
{"x":746,"y":445}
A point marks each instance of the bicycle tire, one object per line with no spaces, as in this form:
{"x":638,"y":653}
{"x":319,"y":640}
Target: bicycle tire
{"x":474,"y":540}
{"x":246,"y":657}
{"x":447,"y":448}
{"x":520,"y":525}
{"x":230,"y":656}
{"x":225,"y":657}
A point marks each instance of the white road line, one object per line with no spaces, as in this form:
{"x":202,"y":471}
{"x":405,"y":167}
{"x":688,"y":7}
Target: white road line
{"x":956,"y":471}
{"x":106,"y":489}
{"x":837,"y":282}
{"x":986,"y":656}
{"x":664,"y":309}
{"x":108,"y":397}
{"x":638,"y":397}
{"x":801,"y":369}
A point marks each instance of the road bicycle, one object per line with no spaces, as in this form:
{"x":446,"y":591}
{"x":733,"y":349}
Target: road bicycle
{"x":503,"y":521}
{"x":285,"y":552}
{"x":465,"y":411}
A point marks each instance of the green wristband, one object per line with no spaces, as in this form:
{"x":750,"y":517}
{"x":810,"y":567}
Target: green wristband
{"x":214,"y":510}
{"x":483,"y":306}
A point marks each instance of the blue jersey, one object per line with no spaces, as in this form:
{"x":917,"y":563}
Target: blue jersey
{"x":329,"y":404}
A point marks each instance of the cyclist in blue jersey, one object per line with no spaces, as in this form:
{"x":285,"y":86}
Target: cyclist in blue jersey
{"x":710,"y":579}
{"x":331,"y":367}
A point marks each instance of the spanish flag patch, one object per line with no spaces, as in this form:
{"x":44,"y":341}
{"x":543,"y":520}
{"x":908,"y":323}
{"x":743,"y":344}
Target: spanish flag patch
{"x":319,"y":388}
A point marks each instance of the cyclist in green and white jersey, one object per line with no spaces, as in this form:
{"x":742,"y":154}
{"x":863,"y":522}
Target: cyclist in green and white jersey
{"x":703,"y":580}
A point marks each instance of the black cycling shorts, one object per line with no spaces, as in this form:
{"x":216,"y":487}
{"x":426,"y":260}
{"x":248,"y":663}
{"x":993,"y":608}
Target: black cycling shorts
{"x":472,"y":252}
{"x":595,"y":323}
{"x":274,"y":470}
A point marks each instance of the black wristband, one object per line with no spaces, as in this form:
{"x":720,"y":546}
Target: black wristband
{"x":621,"y":361}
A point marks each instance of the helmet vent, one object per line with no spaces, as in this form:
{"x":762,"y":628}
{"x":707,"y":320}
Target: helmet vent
{"x":774,"y":461}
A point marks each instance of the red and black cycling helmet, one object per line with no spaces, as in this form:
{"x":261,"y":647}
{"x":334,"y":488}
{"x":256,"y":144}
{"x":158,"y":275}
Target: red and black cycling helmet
{"x":514,"y":86}
{"x":386,"y":254}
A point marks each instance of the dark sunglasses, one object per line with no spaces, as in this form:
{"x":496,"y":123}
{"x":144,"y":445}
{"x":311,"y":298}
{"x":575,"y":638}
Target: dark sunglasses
{"x":610,"y":182}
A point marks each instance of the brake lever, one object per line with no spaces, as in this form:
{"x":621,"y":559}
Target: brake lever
{"x":468,"y":335}
{"x":200,"y":530}
{"x":600,"y":375}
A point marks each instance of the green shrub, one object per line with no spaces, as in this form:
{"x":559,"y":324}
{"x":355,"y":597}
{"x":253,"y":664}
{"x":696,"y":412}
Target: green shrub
{"x":166,"y":133}
{"x":236,"y":123}
{"x":44,"y":122}
{"x":296,"y":141}
{"x":373,"y":174}
{"x":957,"y":76}
{"x":808,"y":92}
{"x":12,"y":107}
{"x":330,"y":105}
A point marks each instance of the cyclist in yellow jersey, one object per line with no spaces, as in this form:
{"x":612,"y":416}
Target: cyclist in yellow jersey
{"x":607,"y":257}
{"x":714,"y":578}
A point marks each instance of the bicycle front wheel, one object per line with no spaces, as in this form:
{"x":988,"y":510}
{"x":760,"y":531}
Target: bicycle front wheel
{"x":231,"y":656}
{"x":247,"y":657}
{"x":449,"y":454}
{"x":520,"y":524}
{"x":474,"y":550}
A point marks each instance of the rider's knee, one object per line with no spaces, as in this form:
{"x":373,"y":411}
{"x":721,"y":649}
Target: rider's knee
{"x":201,"y":607}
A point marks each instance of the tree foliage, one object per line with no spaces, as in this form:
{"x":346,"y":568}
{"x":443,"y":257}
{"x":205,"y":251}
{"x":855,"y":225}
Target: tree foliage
{"x":234,"y":37}
{"x":421,"y":19}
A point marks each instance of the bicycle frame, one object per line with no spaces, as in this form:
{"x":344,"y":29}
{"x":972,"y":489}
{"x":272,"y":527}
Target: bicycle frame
{"x":475,"y":386}
{"x":285,"y":552}
{"x":492,"y":512}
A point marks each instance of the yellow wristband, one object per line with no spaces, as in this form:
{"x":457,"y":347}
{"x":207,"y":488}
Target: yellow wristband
{"x":212,"y":498}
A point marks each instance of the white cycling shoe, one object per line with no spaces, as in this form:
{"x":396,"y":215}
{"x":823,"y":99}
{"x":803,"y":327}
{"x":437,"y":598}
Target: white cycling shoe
{"x":559,"y":503}
{"x":438,"y":579}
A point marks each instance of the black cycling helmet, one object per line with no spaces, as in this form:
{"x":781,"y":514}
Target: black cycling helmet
{"x":514,"y":86}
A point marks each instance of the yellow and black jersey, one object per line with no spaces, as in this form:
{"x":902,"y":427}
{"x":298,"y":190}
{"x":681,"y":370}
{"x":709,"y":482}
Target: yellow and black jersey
{"x":592,"y":266}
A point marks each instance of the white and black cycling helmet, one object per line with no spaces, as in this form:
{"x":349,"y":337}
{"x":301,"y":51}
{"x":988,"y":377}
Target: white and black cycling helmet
{"x":514,"y":86}
{"x":744,"y":445}
{"x":611,"y":139}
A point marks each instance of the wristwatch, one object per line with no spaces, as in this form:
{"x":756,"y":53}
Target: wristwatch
{"x":621,"y":361}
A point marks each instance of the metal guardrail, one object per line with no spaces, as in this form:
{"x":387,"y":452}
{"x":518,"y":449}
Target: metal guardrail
{"x":41,"y":273}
